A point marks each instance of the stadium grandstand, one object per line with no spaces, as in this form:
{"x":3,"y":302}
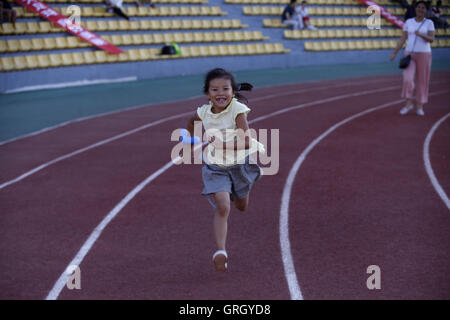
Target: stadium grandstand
{"x":236,"y":34}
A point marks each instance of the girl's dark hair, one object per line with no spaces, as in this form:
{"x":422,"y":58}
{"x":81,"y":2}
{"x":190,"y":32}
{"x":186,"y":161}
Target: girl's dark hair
{"x":220,"y":73}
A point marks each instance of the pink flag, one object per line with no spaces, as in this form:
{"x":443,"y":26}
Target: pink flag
{"x":62,"y":21}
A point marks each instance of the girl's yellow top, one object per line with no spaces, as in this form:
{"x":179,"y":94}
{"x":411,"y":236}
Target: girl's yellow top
{"x":223,"y":126}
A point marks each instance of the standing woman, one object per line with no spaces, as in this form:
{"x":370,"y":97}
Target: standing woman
{"x":420,"y":33}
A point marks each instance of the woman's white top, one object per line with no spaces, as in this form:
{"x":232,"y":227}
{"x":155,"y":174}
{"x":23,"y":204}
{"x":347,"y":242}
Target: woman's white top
{"x":411,"y":26}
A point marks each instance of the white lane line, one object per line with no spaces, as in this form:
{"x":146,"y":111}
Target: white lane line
{"x":90,"y":147}
{"x":98,"y":115}
{"x":286,"y":253}
{"x":31,"y":134}
{"x":428,"y":167}
{"x":127,"y":133}
{"x":62,"y":280}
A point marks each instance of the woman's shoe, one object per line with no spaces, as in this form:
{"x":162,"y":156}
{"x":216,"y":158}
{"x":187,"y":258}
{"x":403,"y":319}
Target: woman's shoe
{"x":420,"y":112}
{"x":406,"y":109}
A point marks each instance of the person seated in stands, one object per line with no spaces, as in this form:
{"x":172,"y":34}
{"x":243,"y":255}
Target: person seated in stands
{"x":302,"y":12}
{"x":289,"y":16}
{"x":436,"y":17}
{"x":116,"y":7}
{"x":410,"y":11}
{"x":7,"y":13}
{"x":150,"y":2}
{"x":429,"y":13}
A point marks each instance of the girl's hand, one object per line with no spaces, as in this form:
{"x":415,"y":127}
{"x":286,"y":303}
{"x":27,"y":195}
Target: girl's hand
{"x":392,"y":57}
{"x":417,"y":33}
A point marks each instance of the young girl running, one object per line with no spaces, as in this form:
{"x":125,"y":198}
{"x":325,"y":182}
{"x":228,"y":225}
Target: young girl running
{"x":225,"y":178}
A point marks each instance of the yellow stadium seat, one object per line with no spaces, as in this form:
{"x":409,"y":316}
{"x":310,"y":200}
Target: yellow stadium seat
{"x":21,"y":28}
{"x":7,"y":28}
{"x":195,"y":52}
{"x":174,"y":11}
{"x":343,"y":45}
{"x":3,"y":47}
{"x":100,"y":56}
{"x":32,"y":27}
{"x":145,"y":54}
{"x":147,"y":38}
{"x":67,"y":59}
{"x":13,"y":45}
{"x":165,"y":24}
{"x":188,"y":37}
{"x":132,"y":11}
{"x":351,"y":45}
{"x":142,"y":12}
{"x":7,"y":63}
{"x":167,"y":37}
{"x":308,"y":46}
{"x":111,"y":57}
{"x":133,"y":25}
{"x":20,"y":63}
{"x":123,"y":57}
{"x":212,"y":51}
{"x":55,"y":60}
{"x":102,"y":25}
{"x":113,"y":25}
{"x":116,"y":40}
{"x":137,"y":39}
{"x":85,"y":12}
{"x":37,"y":44}
{"x":158,"y":38}
{"x":224,"y":50}
{"x":123,"y":25}
{"x":134,"y":55}
{"x":186,"y":52}
{"x":209,"y":37}
{"x":89,"y":57}
{"x":269,"y":48}
{"x":147,"y":25}
{"x":92,"y":25}
{"x":43,"y":61}
{"x":45,"y":27}
{"x":99,"y":12}
{"x":331,"y":33}
{"x":340,"y":33}
{"x":32,"y":62}
{"x":78,"y":58}
{"x":61,"y":42}
{"x":25,"y":44}
{"x":74,"y":42}
{"x":49,"y":43}
{"x":330,"y":46}
{"x":127,"y":40}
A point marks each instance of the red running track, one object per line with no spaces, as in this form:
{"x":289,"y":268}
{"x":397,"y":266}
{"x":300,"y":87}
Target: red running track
{"x":362,"y":197}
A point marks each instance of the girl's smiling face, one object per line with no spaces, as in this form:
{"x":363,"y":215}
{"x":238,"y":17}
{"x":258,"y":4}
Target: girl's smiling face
{"x":220,"y":92}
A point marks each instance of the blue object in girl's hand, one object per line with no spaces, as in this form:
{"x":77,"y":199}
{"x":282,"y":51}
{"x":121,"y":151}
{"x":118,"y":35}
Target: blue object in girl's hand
{"x":187,"y":139}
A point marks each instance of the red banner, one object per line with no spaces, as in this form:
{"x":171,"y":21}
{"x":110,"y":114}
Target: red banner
{"x":62,"y":21}
{"x":385,"y":13}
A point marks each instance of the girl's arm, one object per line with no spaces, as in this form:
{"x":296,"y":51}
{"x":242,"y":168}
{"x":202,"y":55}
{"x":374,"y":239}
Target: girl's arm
{"x":190,"y":124}
{"x":400,"y":44}
{"x":427,"y":37}
{"x":243,"y":135}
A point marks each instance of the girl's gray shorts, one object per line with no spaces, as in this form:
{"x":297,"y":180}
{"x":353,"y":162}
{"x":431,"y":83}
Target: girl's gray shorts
{"x":236,"y":180}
